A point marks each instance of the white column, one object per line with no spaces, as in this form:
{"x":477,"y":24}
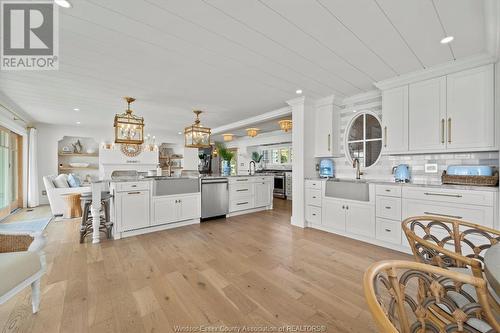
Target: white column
{"x":95,"y":209}
{"x":298,"y":135}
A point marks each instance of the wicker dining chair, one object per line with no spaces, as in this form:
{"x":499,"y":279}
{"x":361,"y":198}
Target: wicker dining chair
{"x":411,"y":297}
{"x":453,"y":244}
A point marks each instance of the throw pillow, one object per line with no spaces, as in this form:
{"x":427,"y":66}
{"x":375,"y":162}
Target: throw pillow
{"x":61,"y":181}
{"x":73,"y":180}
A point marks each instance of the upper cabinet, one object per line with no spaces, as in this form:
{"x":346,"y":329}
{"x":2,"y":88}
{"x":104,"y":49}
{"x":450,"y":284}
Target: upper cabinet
{"x":327,"y":127}
{"x":470,"y":109}
{"x":395,"y":120}
{"x":454,"y":112}
{"x":427,"y":111}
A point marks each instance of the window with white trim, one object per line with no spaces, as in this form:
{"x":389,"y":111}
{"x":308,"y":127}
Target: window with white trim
{"x":363,"y":139}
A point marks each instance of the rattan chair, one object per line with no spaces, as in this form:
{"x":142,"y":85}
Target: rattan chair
{"x":453,"y":244}
{"x":411,"y":297}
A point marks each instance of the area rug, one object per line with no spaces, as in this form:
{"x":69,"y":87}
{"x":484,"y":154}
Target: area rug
{"x":33,"y":225}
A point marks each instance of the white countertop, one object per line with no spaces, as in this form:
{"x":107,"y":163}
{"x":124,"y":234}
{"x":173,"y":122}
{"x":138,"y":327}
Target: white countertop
{"x":420,"y":184}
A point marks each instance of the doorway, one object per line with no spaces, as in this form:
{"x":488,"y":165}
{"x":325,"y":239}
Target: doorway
{"x":11,"y":197}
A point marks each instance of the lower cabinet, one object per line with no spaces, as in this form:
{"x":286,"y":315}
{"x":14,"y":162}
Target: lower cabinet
{"x":360,"y":219}
{"x":132,"y":209}
{"x":170,"y":209}
{"x":262,"y":194}
{"x":348,"y":216}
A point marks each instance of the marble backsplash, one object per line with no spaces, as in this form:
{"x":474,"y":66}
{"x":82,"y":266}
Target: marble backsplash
{"x":382,"y":170}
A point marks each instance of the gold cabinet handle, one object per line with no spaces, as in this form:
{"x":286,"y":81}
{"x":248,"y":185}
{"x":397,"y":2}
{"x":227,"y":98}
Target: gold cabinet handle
{"x":442,"y":130}
{"x":329,"y":143}
{"x":449,"y":130}
{"x":385,"y":136}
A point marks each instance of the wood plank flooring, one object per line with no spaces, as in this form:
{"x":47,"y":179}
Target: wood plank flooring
{"x":253,"y":270}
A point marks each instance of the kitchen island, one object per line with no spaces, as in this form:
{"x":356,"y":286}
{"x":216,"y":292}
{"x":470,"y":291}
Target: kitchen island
{"x":147,"y":205}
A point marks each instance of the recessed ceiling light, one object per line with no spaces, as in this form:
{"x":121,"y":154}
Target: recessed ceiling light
{"x":298,"y":91}
{"x":63,"y":3}
{"x":76,"y":109}
{"x":78,"y":123}
{"x":179,"y":133}
{"x":354,"y":110}
{"x":446,"y":40}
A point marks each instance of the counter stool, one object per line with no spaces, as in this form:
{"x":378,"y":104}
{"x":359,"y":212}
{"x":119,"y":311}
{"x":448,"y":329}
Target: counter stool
{"x":105,"y":218}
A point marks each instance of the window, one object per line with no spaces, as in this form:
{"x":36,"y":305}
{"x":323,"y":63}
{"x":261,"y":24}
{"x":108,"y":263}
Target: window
{"x":10,"y":172}
{"x":364,"y":139}
{"x":279,"y":155}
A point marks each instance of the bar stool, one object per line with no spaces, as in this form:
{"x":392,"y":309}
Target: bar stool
{"x":105,"y":218}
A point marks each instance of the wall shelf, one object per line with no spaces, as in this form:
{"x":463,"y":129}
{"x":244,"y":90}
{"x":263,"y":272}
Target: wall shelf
{"x":79,"y":168}
{"x":81,"y":154}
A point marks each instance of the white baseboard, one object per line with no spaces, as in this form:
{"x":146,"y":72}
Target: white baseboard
{"x":147,"y":230}
{"x":248,"y":211}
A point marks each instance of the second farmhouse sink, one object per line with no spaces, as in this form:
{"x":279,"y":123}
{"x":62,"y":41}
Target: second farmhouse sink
{"x":169,"y":186}
{"x":348,"y":189}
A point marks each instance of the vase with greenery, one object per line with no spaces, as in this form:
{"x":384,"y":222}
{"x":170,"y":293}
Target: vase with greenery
{"x":226,"y":156}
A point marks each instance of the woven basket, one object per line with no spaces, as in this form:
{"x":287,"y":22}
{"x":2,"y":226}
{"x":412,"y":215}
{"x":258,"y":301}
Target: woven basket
{"x":14,"y":243}
{"x":470,"y":180}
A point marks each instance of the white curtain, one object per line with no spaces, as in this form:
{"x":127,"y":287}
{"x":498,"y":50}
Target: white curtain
{"x":33,"y":199}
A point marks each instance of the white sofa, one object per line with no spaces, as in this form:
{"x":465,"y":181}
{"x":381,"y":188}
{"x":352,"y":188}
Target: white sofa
{"x":57,"y":204}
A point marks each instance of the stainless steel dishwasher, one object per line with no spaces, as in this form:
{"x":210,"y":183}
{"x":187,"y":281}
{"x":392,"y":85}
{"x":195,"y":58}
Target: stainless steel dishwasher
{"x":214,"y":197}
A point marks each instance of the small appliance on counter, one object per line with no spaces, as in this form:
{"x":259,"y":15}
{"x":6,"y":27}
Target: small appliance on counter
{"x":326,"y":169}
{"x":401,"y":173}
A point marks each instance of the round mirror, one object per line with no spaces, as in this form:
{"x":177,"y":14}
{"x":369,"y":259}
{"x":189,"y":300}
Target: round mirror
{"x":363,"y":139}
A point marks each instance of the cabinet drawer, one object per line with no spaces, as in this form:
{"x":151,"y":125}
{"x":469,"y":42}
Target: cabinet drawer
{"x":388,"y":231}
{"x":240,"y":180}
{"x":471,"y":213}
{"x":313,"y":214}
{"x":313,"y":197}
{"x":389,"y":207}
{"x":472,"y":197}
{"x":241,"y":204}
{"x":388,"y":190}
{"x":132,"y":186}
{"x":241,"y":190}
{"x":314,"y":184}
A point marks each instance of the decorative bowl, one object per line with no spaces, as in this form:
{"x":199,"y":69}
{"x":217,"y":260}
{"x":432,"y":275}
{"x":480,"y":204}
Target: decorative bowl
{"x":79,"y":165}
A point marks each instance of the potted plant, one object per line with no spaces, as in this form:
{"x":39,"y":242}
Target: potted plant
{"x":256,"y":157}
{"x":226,"y":156}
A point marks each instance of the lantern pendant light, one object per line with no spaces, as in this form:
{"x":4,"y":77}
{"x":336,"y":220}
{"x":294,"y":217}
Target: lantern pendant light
{"x":197,"y":136}
{"x":129,"y":129}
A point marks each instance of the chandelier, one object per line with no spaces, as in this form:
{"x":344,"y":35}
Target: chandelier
{"x":227,"y":137}
{"x":285,"y":124}
{"x":252,"y":132}
{"x":129,"y":129}
{"x":197,"y":136}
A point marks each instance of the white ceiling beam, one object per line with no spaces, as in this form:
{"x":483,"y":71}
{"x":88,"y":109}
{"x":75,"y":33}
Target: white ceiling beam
{"x":271,"y":115}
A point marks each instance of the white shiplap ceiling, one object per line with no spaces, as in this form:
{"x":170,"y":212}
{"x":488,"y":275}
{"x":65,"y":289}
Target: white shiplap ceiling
{"x":234,"y":58}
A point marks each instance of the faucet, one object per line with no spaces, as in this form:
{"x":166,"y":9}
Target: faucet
{"x":355,"y":164}
{"x":252,"y":162}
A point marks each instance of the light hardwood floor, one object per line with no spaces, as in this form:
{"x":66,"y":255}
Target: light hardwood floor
{"x":253,"y":270}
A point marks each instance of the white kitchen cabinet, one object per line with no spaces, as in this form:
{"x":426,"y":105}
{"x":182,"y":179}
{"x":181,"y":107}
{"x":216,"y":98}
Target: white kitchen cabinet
{"x":326,"y":137}
{"x":360,"y":219}
{"x":189,"y":207}
{"x":427,"y":115}
{"x":333,"y":214}
{"x":133,"y":209}
{"x":349,"y":216}
{"x":262,"y":191}
{"x":164,"y":210}
{"x":470,"y":109}
{"x":395,"y":120}
{"x":176,"y":208}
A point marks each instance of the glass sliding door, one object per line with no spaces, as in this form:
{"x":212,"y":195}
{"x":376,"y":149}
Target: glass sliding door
{"x":10,"y":172}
